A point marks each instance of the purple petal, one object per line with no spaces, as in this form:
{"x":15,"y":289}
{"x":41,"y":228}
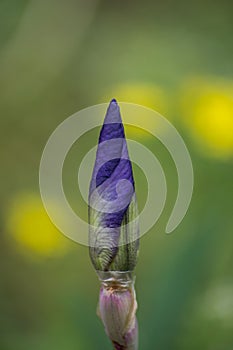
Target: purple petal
{"x":112,"y":160}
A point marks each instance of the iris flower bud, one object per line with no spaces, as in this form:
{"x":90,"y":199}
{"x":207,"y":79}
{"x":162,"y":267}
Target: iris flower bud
{"x":117,"y":308}
{"x":114,"y":231}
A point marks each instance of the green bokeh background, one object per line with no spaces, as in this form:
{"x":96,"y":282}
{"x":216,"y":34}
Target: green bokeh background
{"x":57,"y":57}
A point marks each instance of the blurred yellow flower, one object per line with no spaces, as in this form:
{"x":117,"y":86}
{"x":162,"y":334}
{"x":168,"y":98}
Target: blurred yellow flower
{"x":208,"y":112}
{"x":31,"y":227}
{"x":147,"y":95}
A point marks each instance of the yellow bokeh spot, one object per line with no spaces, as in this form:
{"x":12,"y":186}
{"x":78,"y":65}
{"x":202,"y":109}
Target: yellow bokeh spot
{"x":208,"y":113}
{"x":148,"y":95}
{"x":29,"y":224}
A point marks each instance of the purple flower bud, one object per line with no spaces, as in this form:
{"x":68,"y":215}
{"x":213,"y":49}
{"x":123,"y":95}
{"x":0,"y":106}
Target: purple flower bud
{"x":114,"y":230}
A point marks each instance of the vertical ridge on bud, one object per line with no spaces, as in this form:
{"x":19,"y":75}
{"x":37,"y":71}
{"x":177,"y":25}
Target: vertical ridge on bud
{"x":114,"y":232}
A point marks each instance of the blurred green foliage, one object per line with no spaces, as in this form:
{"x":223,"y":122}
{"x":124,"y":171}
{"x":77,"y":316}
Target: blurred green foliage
{"x":57,"y":57}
